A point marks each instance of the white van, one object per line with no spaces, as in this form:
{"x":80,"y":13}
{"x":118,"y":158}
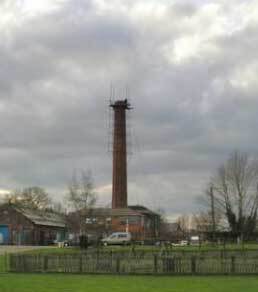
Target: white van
{"x":195,"y":240}
{"x":117,"y":238}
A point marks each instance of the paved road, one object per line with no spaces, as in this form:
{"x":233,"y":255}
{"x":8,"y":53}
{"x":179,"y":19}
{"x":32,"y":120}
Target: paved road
{"x":18,"y":248}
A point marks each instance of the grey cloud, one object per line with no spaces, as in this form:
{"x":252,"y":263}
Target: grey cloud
{"x":54,"y":88}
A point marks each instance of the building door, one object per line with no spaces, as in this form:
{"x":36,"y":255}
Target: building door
{"x":42,"y":237}
{"x":60,"y":235}
{"x":4,"y":234}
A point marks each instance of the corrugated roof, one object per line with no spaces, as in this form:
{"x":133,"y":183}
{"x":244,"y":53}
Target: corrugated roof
{"x":125,"y":212}
{"x":142,"y":210}
{"x":105,"y":212}
{"x":45,"y":218}
{"x":130,"y":211}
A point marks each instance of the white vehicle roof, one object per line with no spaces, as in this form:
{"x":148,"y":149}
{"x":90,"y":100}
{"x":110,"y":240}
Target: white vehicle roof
{"x":121,"y":233}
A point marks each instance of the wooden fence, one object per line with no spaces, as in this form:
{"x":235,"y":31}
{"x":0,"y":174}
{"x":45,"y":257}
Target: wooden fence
{"x":132,"y":264}
{"x":4,"y":263}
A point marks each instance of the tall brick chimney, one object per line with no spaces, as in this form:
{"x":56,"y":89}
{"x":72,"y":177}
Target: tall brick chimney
{"x":119,"y":186}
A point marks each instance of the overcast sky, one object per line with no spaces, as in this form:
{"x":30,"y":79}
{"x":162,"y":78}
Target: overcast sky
{"x":191,"y":68}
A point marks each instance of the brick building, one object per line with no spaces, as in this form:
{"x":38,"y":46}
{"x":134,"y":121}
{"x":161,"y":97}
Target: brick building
{"x":141,"y":222}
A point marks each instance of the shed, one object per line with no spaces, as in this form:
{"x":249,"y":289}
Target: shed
{"x":23,"y":226}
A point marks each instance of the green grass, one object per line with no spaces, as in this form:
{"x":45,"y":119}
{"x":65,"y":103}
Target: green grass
{"x":80,"y":283}
{"x":151,"y":249}
{"x":53,"y":250}
{"x":203,"y":247}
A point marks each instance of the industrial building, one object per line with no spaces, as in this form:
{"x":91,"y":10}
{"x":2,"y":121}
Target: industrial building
{"x":141,"y":222}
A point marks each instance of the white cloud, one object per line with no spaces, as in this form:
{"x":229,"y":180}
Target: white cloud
{"x":185,"y":48}
{"x":106,"y":189}
{"x":200,"y":32}
{"x":245,"y":77}
{"x":3,"y":193}
{"x":32,"y":8}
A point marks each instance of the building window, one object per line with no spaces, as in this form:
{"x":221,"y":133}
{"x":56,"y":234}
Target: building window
{"x":133,"y":220}
{"x":122,"y":222}
{"x":88,"y":221}
{"x":94,"y":220}
{"x":91,"y":220}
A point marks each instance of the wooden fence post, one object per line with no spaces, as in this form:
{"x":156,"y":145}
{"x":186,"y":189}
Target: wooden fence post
{"x":80,"y":263}
{"x":164,"y":265}
{"x":118,"y":265}
{"x":233,"y":268}
{"x":45,"y":263}
{"x":179,"y":265}
{"x":6,"y":268}
{"x":24,"y":266}
{"x":111,"y":261}
{"x":193,"y":265}
{"x":155,"y":263}
{"x":170,"y":265}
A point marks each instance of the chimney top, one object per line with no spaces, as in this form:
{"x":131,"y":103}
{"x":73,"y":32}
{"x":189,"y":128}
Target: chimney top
{"x":121,"y":104}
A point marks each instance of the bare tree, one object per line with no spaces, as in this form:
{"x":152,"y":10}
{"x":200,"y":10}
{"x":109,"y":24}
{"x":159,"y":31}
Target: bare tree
{"x":204,"y":222}
{"x":212,"y":217}
{"x":235,"y":193}
{"x":81,"y":197}
{"x":163,"y":224}
{"x":31,"y":197}
{"x":208,"y":219}
{"x":184,"y":222}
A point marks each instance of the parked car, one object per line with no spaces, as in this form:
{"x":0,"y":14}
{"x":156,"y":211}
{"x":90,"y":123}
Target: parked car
{"x":181,"y":243}
{"x":117,"y":238}
{"x":162,"y":243}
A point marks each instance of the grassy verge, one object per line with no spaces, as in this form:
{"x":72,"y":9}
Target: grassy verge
{"x":203,"y":247}
{"x":148,"y":249}
{"x":53,"y":250}
{"x":78,"y":283}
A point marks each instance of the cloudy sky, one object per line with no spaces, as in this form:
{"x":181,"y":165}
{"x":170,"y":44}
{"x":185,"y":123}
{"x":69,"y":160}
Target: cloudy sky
{"x":191,"y":68}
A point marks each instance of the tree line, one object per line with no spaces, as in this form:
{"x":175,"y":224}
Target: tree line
{"x":230,"y":200}
{"x":80,"y":195}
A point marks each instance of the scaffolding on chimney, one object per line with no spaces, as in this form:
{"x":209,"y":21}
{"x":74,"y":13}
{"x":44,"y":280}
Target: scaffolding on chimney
{"x":119,"y":184}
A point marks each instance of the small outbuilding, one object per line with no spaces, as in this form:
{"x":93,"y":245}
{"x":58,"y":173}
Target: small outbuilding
{"x":23,"y":226}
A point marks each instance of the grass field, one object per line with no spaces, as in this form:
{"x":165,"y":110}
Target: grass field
{"x":77,"y":283}
{"x":151,"y":249}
